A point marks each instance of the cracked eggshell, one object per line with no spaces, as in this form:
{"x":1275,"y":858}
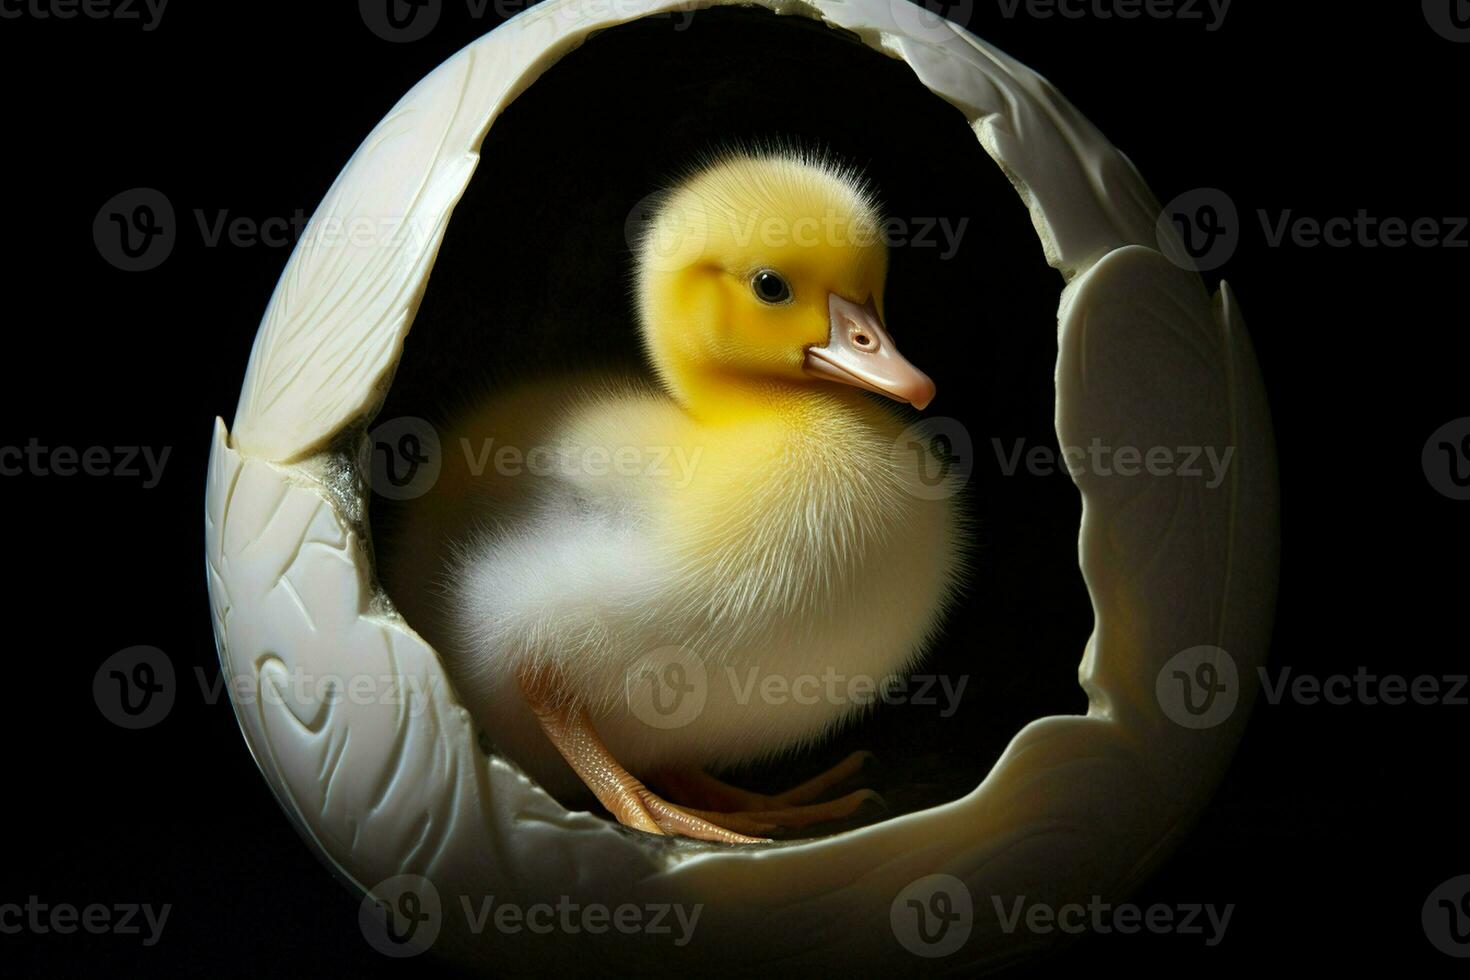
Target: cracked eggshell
{"x":394,"y":784}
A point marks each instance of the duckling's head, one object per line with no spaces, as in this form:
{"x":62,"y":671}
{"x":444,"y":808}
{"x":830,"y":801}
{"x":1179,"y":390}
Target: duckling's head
{"x":762,"y":273}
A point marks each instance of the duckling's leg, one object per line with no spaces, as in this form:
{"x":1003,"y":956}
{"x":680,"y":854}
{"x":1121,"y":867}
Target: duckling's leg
{"x":570,"y":729}
{"x":744,"y":810}
{"x":765,"y":821}
{"x":697,"y":788}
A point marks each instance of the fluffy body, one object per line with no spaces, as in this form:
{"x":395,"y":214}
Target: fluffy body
{"x":738,"y":510}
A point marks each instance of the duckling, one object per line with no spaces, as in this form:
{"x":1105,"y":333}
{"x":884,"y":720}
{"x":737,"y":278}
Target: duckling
{"x":741,"y":522}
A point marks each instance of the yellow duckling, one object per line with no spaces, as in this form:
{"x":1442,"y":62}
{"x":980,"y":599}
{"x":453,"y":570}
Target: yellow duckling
{"x":742,"y":532}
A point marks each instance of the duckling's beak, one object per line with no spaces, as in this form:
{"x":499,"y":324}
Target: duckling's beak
{"x":859,"y":352}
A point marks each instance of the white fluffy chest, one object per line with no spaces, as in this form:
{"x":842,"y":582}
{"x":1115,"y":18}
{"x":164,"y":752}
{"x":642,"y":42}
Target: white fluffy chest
{"x":814,"y":572}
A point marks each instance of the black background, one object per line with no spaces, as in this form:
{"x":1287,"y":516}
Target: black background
{"x":1334,"y":823}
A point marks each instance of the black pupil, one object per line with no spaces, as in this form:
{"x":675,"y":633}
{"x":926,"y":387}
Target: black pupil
{"x":770,"y":287}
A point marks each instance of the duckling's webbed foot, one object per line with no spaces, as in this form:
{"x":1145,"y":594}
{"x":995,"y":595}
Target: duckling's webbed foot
{"x":570,"y":729}
{"x":750,"y":812}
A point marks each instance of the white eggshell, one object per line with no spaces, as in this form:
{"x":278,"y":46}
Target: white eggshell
{"x":1077,"y":806}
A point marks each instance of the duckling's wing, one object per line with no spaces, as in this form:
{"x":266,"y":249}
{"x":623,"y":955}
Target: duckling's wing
{"x":549,"y":554}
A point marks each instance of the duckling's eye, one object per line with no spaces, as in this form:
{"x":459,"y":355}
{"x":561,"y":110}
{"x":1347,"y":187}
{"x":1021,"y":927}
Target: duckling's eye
{"x":770,"y":287}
